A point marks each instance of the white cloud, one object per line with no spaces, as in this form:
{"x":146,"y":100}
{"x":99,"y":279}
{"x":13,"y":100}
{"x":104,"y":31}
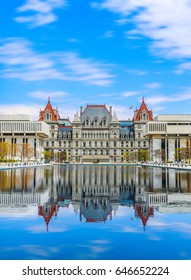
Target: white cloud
{"x":28,"y":109}
{"x":137,"y":72}
{"x":32,"y":109}
{"x":123,"y":112}
{"x":73,"y":40}
{"x":42,"y":12}
{"x":109,"y":34}
{"x":130,"y":93}
{"x":153,"y":85}
{"x":155,"y":100}
{"x":86,"y":70}
{"x":186,"y":66}
{"x":20,"y":61}
{"x":54,"y":95}
{"x":167,"y":23}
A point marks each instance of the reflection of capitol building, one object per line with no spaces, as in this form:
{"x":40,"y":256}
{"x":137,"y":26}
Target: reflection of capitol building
{"x":96,"y":192}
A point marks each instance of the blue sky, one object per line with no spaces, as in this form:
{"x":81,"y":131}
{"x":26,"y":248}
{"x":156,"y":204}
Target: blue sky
{"x":111,"y":52}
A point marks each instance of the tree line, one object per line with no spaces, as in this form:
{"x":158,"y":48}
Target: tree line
{"x":21,"y":151}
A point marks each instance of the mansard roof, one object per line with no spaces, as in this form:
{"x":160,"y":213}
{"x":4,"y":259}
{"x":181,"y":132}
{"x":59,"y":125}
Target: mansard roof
{"x":98,"y":214}
{"x":54,"y":112}
{"x":142,"y":108}
{"x":93,"y":111}
{"x":65,"y":122}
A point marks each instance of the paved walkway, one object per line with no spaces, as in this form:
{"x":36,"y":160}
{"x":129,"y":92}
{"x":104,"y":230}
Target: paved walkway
{"x":180,"y":166}
{"x":19,"y":165}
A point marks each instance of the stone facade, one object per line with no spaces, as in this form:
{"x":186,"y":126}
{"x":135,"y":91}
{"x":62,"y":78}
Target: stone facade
{"x":95,"y":134}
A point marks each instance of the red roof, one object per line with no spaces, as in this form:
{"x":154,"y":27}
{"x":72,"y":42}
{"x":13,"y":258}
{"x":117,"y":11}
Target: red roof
{"x":142,"y":108}
{"x":149,"y":214}
{"x":50,"y":109}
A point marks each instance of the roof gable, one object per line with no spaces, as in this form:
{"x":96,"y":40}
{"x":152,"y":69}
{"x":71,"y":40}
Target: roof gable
{"x":48,"y":109}
{"x":143,"y":108}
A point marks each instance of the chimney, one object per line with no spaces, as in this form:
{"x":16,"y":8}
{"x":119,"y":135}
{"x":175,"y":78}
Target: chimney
{"x":110,"y":110}
{"x":81,"y":110}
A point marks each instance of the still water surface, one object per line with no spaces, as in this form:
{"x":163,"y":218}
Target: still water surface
{"x":95,"y":212}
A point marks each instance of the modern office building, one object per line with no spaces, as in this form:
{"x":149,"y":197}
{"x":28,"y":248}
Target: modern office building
{"x":22,"y":133}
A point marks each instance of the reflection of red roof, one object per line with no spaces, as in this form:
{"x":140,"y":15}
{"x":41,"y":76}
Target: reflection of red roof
{"x":50,"y":214}
{"x":50,"y":109}
{"x":142,"y":108}
{"x":149,"y":214}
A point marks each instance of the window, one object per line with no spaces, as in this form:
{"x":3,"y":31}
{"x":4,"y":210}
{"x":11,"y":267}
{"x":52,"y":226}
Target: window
{"x":96,"y":122}
{"x":76,"y":143}
{"x":76,"y":134}
{"x":104,"y":122}
{"x":87,"y":122}
{"x":139,"y":135}
{"x":52,"y":143}
{"x":60,"y":143}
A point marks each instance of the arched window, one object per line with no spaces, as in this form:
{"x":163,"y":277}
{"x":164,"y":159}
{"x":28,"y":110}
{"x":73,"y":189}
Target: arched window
{"x":95,"y":122}
{"x":47,"y":116}
{"x":104,"y":122}
{"x":87,"y":122}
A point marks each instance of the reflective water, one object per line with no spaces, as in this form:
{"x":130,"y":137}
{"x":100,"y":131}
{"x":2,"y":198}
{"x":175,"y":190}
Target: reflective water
{"x":95,"y":212}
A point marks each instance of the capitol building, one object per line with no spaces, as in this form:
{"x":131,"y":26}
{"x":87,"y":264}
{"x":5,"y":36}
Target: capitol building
{"x":96,"y":135}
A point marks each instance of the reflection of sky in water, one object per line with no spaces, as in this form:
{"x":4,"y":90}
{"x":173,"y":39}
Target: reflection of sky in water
{"x":165,"y":237}
{"x":23,"y":230}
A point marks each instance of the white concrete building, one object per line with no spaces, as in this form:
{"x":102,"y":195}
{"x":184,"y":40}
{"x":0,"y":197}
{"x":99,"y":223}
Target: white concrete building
{"x":166,"y":134}
{"x":19,"y":130}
